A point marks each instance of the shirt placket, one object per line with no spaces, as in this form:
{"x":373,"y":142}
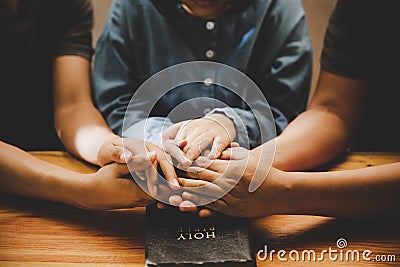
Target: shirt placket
{"x":209,"y":54}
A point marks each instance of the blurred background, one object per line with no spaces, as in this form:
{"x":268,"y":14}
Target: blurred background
{"x":318,"y":12}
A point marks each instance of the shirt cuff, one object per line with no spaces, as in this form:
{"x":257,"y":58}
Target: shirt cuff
{"x":242,"y":136}
{"x":148,"y":129}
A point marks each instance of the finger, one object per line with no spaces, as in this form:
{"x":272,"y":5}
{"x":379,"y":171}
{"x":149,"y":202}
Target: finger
{"x":197,"y":146}
{"x":202,"y":174}
{"x":185,"y":182}
{"x":218,"y":206}
{"x":119,"y":153}
{"x":187,"y":206}
{"x":152,"y":178}
{"x":162,"y":206}
{"x":168,"y":170}
{"x":112,"y":152}
{"x":208,"y":189}
{"x":165,"y":192}
{"x":170,"y":133}
{"x":226,"y":154}
{"x":178,"y":143}
{"x":215,"y":165}
{"x":166,"y":165}
{"x":123,"y":156}
{"x":218,"y":146}
{"x":206,"y":153}
{"x":182,"y":131}
{"x":142,"y":161}
{"x":234,"y":144}
{"x":175,"y":200}
{"x":236,"y":153}
{"x":204,"y":213}
{"x":141,"y":175}
{"x":172,"y":148}
{"x":197,"y":199}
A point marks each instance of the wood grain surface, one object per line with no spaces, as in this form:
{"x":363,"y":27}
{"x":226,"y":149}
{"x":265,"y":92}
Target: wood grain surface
{"x":42,"y":233}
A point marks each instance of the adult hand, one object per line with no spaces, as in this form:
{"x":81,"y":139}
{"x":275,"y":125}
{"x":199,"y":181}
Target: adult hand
{"x":138,"y":154}
{"x":269,"y":198}
{"x":106,"y":189}
{"x":113,"y":151}
{"x":234,"y":152}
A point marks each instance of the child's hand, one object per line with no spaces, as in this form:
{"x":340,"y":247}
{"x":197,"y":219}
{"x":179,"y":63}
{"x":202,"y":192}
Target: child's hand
{"x":216,"y":131}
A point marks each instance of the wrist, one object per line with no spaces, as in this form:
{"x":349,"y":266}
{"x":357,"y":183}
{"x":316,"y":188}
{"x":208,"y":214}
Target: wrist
{"x":288,"y":192}
{"x":81,"y":191}
{"x":279,"y":189}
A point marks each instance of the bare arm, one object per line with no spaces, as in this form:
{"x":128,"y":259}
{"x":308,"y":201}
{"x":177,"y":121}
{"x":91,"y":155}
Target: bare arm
{"x":358,"y":193}
{"x":365,"y":192}
{"x":25,"y":175}
{"x":79,"y":124}
{"x":325,"y":129}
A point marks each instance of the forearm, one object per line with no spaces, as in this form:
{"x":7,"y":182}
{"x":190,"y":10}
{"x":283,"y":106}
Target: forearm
{"x":325,"y":130}
{"x":354,"y":193}
{"x":83,"y":130}
{"x":313,"y":138}
{"x":25,"y":175}
{"x":79,"y":124}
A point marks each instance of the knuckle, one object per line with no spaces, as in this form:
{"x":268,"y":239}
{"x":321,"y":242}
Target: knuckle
{"x":115,"y":151}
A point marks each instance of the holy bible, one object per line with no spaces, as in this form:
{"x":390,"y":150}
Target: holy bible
{"x":175,"y":238}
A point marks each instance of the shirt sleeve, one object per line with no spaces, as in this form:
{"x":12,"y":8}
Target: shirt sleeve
{"x":287,"y":78}
{"x":115,"y":79}
{"x":346,"y":40}
{"x":149,"y":129}
{"x":75,"y":33}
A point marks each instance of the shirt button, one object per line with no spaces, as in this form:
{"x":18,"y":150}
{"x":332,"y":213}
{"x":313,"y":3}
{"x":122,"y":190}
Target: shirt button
{"x":210,"y":25}
{"x":206,"y":111}
{"x":208,"y":81}
{"x":210,"y":53}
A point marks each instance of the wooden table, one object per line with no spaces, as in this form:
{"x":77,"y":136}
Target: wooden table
{"x":41,"y":233}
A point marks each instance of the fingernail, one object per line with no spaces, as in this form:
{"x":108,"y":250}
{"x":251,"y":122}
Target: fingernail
{"x":126,"y":155}
{"x":151,"y":154}
{"x":187,"y":204}
{"x":211,"y":156}
{"x":175,"y":184}
{"x":182,"y":143}
{"x":160,"y":206}
{"x":175,"y":200}
{"x":187,"y":163}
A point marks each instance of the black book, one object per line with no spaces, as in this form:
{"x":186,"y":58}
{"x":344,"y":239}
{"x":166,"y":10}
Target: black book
{"x":175,"y":238}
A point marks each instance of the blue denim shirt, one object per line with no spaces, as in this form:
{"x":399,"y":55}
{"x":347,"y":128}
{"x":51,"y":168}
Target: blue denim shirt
{"x":268,"y":40}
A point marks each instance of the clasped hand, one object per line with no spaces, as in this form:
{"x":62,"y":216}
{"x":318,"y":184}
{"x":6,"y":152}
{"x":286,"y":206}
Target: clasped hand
{"x":180,"y":145}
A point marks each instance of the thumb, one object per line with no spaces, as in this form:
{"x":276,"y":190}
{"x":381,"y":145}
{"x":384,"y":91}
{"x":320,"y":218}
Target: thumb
{"x":142,"y":161}
{"x":217,"y":148}
{"x":113,"y":152}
